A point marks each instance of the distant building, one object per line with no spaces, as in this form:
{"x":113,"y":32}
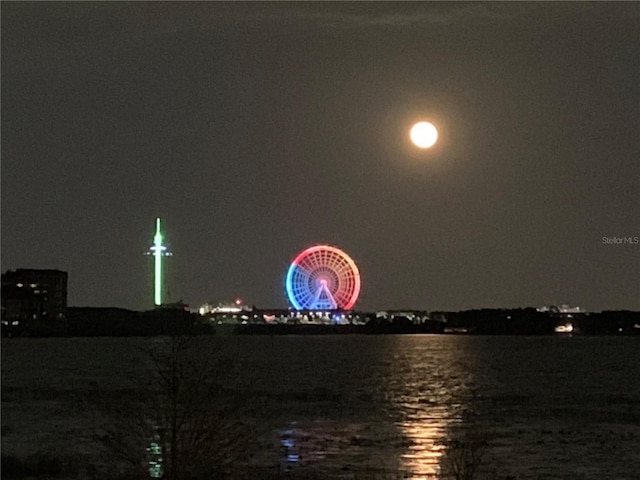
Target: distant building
{"x":565,"y":317}
{"x":33,"y":297}
{"x":561,"y":309}
{"x":212,"y":308}
{"x":415,"y":316}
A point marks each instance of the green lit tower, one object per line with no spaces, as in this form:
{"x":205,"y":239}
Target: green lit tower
{"x":158,"y":250}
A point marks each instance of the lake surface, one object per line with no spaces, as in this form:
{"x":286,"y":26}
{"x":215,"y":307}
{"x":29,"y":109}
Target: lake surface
{"x":396,"y":406}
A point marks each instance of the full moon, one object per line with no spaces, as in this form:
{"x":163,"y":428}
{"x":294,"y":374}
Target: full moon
{"x":424,"y":134}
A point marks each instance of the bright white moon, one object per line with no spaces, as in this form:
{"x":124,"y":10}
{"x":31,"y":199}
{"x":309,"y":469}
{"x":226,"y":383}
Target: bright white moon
{"x":424,"y":134}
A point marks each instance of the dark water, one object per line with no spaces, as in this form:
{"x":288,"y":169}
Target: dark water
{"x":373,"y":406}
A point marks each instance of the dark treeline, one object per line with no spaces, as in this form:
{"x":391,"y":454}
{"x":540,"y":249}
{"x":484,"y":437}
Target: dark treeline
{"x":614,"y":322}
{"x":529,"y":321}
{"x":118,"y":322}
{"x":522,"y":321}
{"x":114,"y":322}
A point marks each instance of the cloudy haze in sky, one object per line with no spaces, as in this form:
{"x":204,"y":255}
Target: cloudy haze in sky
{"x":257,"y":129}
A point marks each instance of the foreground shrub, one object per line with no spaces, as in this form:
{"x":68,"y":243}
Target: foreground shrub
{"x":181,"y":424}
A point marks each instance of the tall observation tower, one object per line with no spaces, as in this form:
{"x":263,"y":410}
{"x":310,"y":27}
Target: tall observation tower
{"x":158,"y":250}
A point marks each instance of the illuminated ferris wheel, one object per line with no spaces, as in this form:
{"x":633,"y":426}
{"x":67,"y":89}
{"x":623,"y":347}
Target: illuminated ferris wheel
{"x":322,"y":277}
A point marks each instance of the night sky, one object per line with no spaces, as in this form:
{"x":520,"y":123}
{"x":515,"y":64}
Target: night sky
{"x":258,"y":129}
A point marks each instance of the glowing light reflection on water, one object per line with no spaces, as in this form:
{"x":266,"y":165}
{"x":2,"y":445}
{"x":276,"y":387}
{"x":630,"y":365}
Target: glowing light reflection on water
{"x":424,"y":447}
{"x":394,"y":418}
{"x":429,"y":396}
